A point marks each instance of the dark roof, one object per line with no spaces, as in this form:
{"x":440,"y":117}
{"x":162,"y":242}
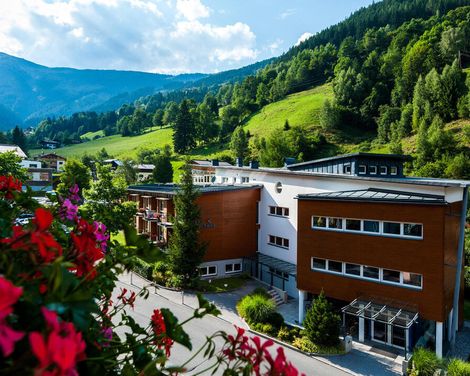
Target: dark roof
{"x":358,"y":154}
{"x":376,"y":195}
{"x":172,"y":189}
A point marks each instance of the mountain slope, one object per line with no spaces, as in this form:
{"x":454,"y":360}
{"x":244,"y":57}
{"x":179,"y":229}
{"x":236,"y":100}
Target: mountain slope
{"x":30,"y":92}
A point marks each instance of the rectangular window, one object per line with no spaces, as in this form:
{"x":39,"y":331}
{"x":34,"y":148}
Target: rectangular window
{"x":336,"y":223}
{"x":318,"y":263}
{"x":412,"y":279}
{"x":335,"y":266}
{"x":245,"y":179}
{"x":353,"y":269}
{"x":319,"y":222}
{"x":383,"y":170}
{"x":208,"y":271}
{"x":286,"y":212}
{"x":391,"y":276}
{"x":279,"y":211}
{"x":373,"y":170}
{"x":272,"y":210}
{"x":392,"y":228}
{"x":371,"y":226}
{"x":347,"y":168}
{"x":233,"y":268}
{"x":393,"y":170}
{"x":362,"y":169}
{"x":413,"y":229}
{"x":278,"y":241}
{"x":224,"y":180}
{"x":353,"y":224}
{"x":370,"y":272}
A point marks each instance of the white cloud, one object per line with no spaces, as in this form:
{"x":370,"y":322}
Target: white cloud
{"x":275,"y":46}
{"x":170,"y":36}
{"x":192,"y":9}
{"x":303,"y":37}
{"x":287,"y":13}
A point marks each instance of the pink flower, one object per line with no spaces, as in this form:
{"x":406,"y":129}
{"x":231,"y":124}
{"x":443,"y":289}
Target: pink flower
{"x":8,"y":337}
{"x":9,"y":295}
{"x":68,"y":210}
{"x":74,"y":189}
{"x":100,"y":235}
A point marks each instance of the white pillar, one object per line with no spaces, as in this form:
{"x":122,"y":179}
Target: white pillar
{"x":449,"y":325}
{"x":361,"y":329}
{"x":302,"y":295}
{"x":439,"y":338}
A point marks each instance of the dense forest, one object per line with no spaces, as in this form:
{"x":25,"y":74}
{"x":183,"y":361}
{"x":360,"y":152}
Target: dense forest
{"x":395,"y":70}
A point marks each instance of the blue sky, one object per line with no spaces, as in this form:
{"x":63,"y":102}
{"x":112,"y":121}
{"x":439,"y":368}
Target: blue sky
{"x":165,"y":36}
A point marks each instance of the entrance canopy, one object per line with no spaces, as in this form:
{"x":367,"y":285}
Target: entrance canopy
{"x":367,"y":309}
{"x":277,"y":264}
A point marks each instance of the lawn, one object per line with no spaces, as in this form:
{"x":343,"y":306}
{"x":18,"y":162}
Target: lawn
{"x":222,"y":284}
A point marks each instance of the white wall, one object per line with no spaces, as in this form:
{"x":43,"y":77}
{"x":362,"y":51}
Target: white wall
{"x":27,"y":164}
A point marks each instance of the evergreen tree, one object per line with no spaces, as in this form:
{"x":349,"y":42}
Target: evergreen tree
{"x":163,"y":170}
{"x":184,"y":129}
{"x":157,"y":119}
{"x":18,"y":138}
{"x":419,"y":100}
{"x":322,"y":325}
{"x":185,"y":251}
{"x":286,"y":125}
{"x":239,"y":143}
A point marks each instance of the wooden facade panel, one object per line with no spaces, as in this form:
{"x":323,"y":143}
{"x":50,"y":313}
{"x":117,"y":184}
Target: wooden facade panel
{"x":424,"y":256}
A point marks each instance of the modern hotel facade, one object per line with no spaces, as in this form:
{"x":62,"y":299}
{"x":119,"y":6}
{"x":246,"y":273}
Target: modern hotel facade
{"x":384,"y":247}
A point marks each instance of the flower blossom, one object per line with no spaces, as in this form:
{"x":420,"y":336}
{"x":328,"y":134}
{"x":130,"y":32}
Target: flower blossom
{"x":9,"y":295}
{"x":60,"y":349}
{"x":159,"y":329}
{"x":9,"y":184}
{"x":127,"y":300}
{"x":68,"y":210}
{"x":100,"y":234}
{"x":74,"y":189}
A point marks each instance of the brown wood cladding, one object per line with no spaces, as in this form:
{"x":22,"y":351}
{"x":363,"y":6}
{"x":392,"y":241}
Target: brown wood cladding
{"x":434,"y":256}
{"x":233,"y":216}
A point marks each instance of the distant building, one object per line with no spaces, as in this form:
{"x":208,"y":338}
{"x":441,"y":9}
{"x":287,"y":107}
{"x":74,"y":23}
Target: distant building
{"x":15,"y":148}
{"x":52,"y":160}
{"x":40,"y":179}
{"x":114,"y":163}
{"x":144,"y":171}
{"x":204,"y":170}
{"x":50,"y":144}
{"x":30,"y":164}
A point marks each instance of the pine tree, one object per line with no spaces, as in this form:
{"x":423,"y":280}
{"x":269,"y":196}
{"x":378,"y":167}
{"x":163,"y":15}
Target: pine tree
{"x":184,"y":129}
{"x":419,"y":100}
{"x":185,"y":251}
{"x":286,"y":125}
{"x":322,"y":325}
{"x":18,"y":138}
{"x":163,"y":171}
{"x":239,"y":143}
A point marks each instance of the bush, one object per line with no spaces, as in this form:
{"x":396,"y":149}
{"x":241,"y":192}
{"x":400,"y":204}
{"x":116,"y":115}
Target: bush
{"x":321,"y":324}
{"x":458,"y":367}
{"x":141,"y":267}
{"x":424,"y":362}
{"x":175,"y":281}
{"x":304,"y":344}
{"x":260,"y":291}
{"x":256,"y":309}
{"x":265,"y":328}
{"x":276,"y":320}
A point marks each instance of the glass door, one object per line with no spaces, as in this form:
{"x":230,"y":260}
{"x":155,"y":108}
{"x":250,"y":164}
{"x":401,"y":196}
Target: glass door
{"x":380,"y":332}
{"x":398,"y":337}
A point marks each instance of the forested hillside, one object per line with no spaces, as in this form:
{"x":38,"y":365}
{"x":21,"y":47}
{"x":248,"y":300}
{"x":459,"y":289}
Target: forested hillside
{"x":394,"y":73}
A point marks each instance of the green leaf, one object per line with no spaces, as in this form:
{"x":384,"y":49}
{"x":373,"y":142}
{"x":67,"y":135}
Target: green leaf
{"x":175,"y":332}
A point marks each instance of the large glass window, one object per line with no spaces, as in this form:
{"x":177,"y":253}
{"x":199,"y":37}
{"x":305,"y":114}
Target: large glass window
{"x":413,"y":229}
{"x":318,"y":264}
{"x":353,"y":269}
{"x":392,"y":228}
{"x":319,"y":222}
{"x":353,"y":224}
{"x":370,"y":272}
{"x":371,"y":226}
{"x":412,"y":279}
{"x":391,"y":276}
{"x":336,"y":223}
{"x":335,"y":266}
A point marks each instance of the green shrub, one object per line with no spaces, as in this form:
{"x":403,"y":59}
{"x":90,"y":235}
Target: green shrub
{"x":141,"y":267}
{"x":260,"y":291}
{"x":265,"y":328}
{"x":322,"y":325}
{"x":276,"y":320}
{"x":160,"y":267}
{"x":256,"y":309}
{"x":458,"y":367}
{"x":285,"y":334}
{"x":304,"y":344}
{"x":175,"y":281}
{"x":425,"y":362}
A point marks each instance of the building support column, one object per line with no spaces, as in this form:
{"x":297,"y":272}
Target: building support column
{"x":449,"y":325}
{"x":302,"y":295}
{"x":361,"y":329}
{"x":439,"y":338}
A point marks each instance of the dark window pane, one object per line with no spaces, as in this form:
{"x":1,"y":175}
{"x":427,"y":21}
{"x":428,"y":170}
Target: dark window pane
{"x":228,"y":268}
{"x":272,"y":239}
{"x":278,"y":240}
{"x":335,"y":266}
{"x":319,"y":222}
{"x":370,"y":272}
{"x":353,"y":269}
{"x":371,"y":226}
{"x":353,"y":224}
{"x":272,"y":210}
{"x":237,"y":267}
{"x":411,"y":229}
{"x":412,"y":279}
{"x":391,"y":228}
{"x":286,"y":212}
{"x":319,"y":263}
{"x":286,"y":243}
{"x":335,"y":223}
{"x":391,"y":276}
{"x":212,"y":270}
{"x":278,"y":211}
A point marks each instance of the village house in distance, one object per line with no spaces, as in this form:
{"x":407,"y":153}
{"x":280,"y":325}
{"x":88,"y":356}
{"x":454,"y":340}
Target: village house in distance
{"x":385,"y":247}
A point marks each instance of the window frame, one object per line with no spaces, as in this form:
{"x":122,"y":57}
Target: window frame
{"x":233,"y":268}
{"x":207,"y":267}
{"x":372,"y":170}
{"x":386,"y":170}
{"x":281,"y":240}
{"x":362,"y":169}
{"x":393,"y":170}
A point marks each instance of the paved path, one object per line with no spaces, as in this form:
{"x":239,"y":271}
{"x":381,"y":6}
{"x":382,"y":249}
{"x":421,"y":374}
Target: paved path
{"x":357,"y":362}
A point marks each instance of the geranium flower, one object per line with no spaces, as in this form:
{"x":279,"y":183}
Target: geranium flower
{"x":159,"y":329}
{"x":8,"y":337}
{"x":68,"y":210}
{"x":9,"y":184}
{"x":74,"y":189}
{"x":9,"y":295}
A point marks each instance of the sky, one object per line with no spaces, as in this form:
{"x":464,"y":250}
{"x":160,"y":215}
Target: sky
{"x":162,"y":36}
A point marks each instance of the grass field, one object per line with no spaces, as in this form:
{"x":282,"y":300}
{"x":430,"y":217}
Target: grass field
{"x":300,"y":109}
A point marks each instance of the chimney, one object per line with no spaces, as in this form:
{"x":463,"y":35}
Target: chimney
{"x":254,"y":164}
{"x":215,"y":162}
{"x":239,"y":162}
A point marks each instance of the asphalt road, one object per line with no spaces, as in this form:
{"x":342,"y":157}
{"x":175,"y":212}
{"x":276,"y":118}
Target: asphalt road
{"x":200,"y":328}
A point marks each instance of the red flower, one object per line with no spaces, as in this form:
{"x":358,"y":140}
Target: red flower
{"x":127,"y":300}
{"x":60,"y":350}
{"x":9,"y":295}
{"x":9,"y":184}
{"x":159,"y":329}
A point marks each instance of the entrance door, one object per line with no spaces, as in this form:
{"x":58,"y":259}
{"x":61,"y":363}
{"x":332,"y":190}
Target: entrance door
{"x":380,"y":332}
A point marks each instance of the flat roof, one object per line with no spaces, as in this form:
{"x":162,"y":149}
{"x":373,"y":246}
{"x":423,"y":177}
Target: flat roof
{"x":208,"y":163}
{"x":376,"y":195}
{"x":172,"y":189}
{"x":357,"y":154}
{"x":404,"y":180}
